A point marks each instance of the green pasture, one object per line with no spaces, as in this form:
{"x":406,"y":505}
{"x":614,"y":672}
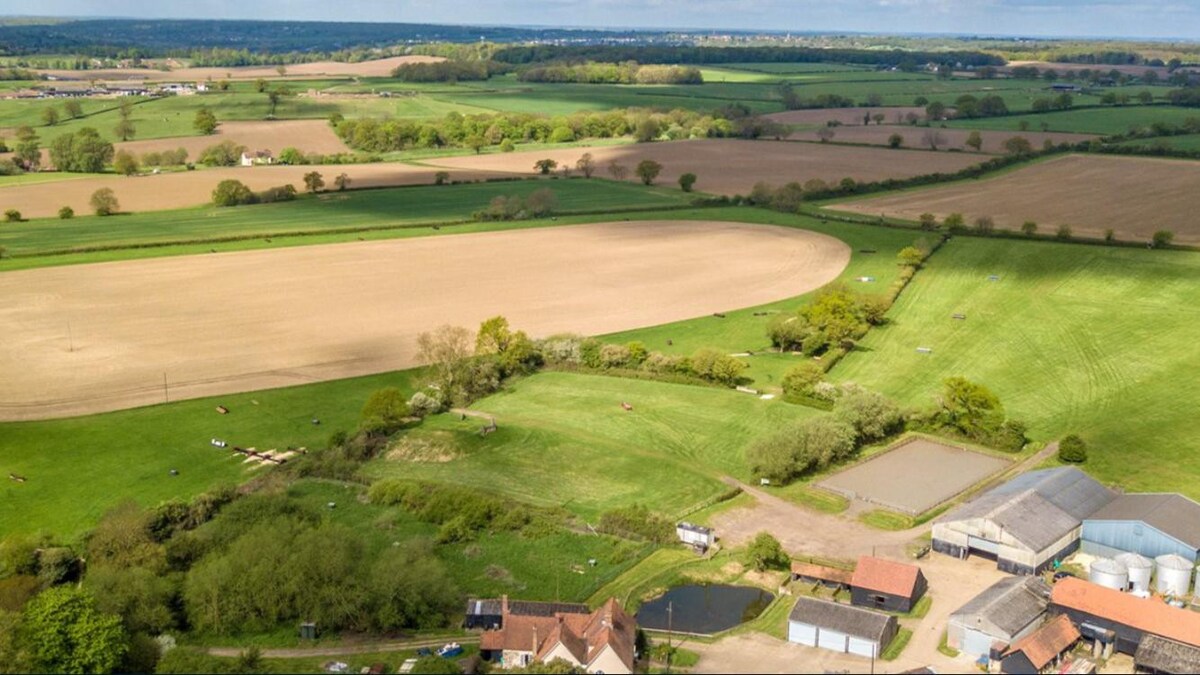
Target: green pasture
{"x":1104,"y":121}
{"x":78,"y":468}
{"x":1073,"y":339}
{"x":384,"y":207}
{"x":564,"y":440}
{"x":1182,"y":142}
{"x":549,"y":567}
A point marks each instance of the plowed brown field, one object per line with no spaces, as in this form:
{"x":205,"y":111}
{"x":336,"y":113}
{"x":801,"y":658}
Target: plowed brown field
{"x":304,"y":135}
{"x":375,"y":68}
{"x":257,"y":319}
{"x":993,"y":141}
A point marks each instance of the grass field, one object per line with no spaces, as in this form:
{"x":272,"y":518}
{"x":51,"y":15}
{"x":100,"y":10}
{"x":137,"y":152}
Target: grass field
{"x":356,"y":208}
{"x":564,"y":440}
{"x":1089,"y":340}
{"x":1183,"y":142}
{"x":1104,"y":121}
{"x":78,"y":468}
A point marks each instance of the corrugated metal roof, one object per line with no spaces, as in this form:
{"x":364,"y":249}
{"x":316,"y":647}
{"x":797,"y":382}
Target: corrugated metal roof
{"x":1166,"y":656}
{"x":1172,"y":514}
{"x":1009,"y":604}
{"x":1039,"y":507}
{"x":855,"y":621}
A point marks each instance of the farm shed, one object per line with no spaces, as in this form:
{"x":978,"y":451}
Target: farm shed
{"x":840,"y":628}
{"x":887,"y":585}
{"x":1121,"y":619}
{"x":695,"y":535}
{"x":830,"y":577}
{"x":1005,"y":612}
{"x":1160,"y":655}
{"x":489,"y":614}
{"x":1025,"y":524}
{"x":1041,"y":648}
{"x":1147,"y":524}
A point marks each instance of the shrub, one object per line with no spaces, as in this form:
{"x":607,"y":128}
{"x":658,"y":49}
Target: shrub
{"x":1064,"y":232}
{"x":384,"y":412}
{"x":614,"y":356}
{"x":647,"y":170}
{"x":686,"y":181}
{"x":928,"y":221}
{"x":715,"y":366}
{"x":225,"y":153}
{"x":985,"y":225}
{"x":12,"y":216}
{"x":66,"y":213}
{"x":806,"y":446}
{"x":1029,"y":228}
{"x":231,"y":192}
{"x":800,"y":379}
{"x":873,"y":416}
{"x":1072,"y":449}
{"x":1162,"y":238}
{"x":423,"y":405}
{"x":636,"y":522}
{"x":507,"y":145}
{"x":104,"y":202}
{"x":545,"y":166}
{"x":955,"y":223}
{"x":562,"y":134}
{"x":765,"y":553}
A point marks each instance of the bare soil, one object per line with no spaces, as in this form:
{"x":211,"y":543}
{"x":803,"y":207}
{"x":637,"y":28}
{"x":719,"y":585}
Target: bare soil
{"x":193,"y":188}
{"x":915,"y":476}
{"x":258,"y":319}
{"x":304,"y":135}
{"x":318,"y":69}
{"x":846,"y":116}
{"x":956,"y":139}
{"x":1134,"y":196}
{"x":728,"y":167}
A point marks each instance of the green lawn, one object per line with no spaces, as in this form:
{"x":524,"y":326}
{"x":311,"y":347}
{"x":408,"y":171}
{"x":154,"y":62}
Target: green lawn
{"x":564,"y":440}
{"x":1085,"y":339}
{"x":374,"y":208}
{"x":1104,"y":121}
{"x":78,"y":468}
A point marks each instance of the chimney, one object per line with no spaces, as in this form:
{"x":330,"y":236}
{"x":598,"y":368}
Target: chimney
{"x":535,"y":642}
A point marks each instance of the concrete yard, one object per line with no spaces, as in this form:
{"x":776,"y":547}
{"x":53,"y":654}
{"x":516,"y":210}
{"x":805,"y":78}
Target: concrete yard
{"x":915,"y":476}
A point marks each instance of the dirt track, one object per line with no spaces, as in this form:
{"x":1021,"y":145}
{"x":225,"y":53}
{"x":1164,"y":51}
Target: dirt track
{"x":193,"y":188}
{"x":1134,"y":196}
{"x":304,"y":135}
{"x":375,"y":68}
{"x":260,"y":319}
{"x":731,"y":167}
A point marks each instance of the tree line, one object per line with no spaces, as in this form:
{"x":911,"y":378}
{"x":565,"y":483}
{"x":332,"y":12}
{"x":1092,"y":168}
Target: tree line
{"x":628,"y":72}
{"x":693,"y":55}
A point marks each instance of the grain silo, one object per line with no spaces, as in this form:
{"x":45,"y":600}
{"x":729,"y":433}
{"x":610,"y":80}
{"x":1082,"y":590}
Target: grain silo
{"x":1140,"y":568}
{"x":1108,"y":573}
{"x":1174,"y":574}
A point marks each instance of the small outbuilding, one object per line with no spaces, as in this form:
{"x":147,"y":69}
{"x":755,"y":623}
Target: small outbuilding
{"x":1147,"y":524}
{"x":1005,"y":612}
{"x":1159,"y":655}
{"x":830,"y":577}
{"x":886,"y":584}
{"x":841,"y":628}
{"x":1042,"y":648}
{"x":696,"y":535}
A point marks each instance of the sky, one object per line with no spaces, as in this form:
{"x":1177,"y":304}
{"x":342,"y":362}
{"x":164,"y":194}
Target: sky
{"x":1113,"y":18}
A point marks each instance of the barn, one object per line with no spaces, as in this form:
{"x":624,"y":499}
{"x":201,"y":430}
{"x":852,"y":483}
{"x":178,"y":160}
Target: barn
{"x":1005,"y":612}
{"x":886,"y":584}
{"x":1025,"y":524}
{"x":1041,"y":649}
{"x":840,"y":628}
{"x":1148,"y":524}
{"x":1120,"y":619}
{"x":1160,"y":655}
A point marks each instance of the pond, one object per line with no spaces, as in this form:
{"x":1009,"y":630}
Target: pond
{"x":703,"y":609}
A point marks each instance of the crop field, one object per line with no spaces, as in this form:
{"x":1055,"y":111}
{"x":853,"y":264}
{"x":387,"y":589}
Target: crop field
{"x":1089,"y":193}
{"x":949,"y":139}
{"x":304,"y":135}
{"x":564,"y":440}
{"x":373,"y":68}
{"x":1103,"y":121}
{"x":844,"y":116}
{"x":89,"y":338}
{"x":1182,"y":142}
{"x":192,"y":188}
{"x":731,"y":167}
{"x":78,"y":468}
{"x":1073,"y":339}
{"x":376,"y":208}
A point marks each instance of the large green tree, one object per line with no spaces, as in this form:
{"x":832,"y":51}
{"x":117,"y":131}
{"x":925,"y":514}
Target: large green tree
{"x":63,"y":632}
{"x":83,"y":151}
{"x":969,"y":408}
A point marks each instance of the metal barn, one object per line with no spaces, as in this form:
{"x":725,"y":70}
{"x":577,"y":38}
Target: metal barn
{"x":1005,"y":612}
{"x":1147,"y":524}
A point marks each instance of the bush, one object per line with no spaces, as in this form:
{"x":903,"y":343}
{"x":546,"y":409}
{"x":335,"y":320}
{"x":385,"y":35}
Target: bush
{"x":232,"y":192}
{"x":806,"y":446}
{"x":507,"y":145}
{"x":104,"y":202}
{"x":384,"y":412}
{"x":800,"y":380}
{"x":66,"y":213}
{"x":1072,"y":449}
{"x":873,"y":416}
{"x":1029,"y":228}
{"x":712,"y":365}
{"x":225,"y":153}
{"x":765,"y":553}
{"x":686,"y":181}
{"x":637,"y":522}
{"x":12,"y":216}
{"x":423,"y":405}
{"x":1162,"y":238}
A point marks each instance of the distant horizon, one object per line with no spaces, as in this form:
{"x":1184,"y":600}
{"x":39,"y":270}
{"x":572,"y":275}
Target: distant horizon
{"x":1004,"y":19}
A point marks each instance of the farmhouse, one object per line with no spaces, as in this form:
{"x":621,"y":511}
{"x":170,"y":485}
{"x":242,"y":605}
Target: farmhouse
{"x":489,"y":614}
{"x":1040,"y":649}
{"x":1160,"y":655}
{"x":1007,"y":611}
{"x":602,"y":641}
{"x":887,"y":585}
{"x":257,"y":157}
{"x":1120,"y":619}
{"x":840,"y":628}
{"x":696,"y":535}
{"x":1025,"y":524}
{"x":1147,"y":524}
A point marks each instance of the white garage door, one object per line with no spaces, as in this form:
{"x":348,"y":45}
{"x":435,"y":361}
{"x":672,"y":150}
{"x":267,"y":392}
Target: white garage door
{"x":984,"y":545}
{"x":976,"y":643}
{"x":861,"y":647}
{"x":802,"y":633}
{"x":828,"y":639}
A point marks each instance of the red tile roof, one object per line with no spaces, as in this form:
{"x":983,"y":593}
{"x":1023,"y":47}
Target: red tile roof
{"x":584,"y":635}
{"x":1044,"y":644}
{"x":885,"y":576}
{"x":1149,"y":615}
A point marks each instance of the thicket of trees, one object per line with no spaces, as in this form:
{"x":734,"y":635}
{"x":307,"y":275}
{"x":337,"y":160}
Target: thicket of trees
{"x":447,"y":71}
{"x":540,"y":203}
{"x":83,"y":151}
{"x":835,"y":318}
{"x":700,"y":55}
{"x":628,"y":72}
{"x":232,"y":192}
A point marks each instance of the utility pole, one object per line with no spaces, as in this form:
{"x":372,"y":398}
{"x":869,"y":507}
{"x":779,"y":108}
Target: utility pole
{"x":670,"y":616}
{"x":166,"y":398}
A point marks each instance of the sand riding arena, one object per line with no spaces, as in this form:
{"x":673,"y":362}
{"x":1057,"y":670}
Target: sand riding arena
{"x":90,"y":338}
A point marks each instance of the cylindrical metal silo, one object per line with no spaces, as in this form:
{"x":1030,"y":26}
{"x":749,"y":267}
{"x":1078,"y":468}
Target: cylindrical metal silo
{"x":1174,"y":574}
{"x":1140,"y":568}
{"x":1108,"y":573}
